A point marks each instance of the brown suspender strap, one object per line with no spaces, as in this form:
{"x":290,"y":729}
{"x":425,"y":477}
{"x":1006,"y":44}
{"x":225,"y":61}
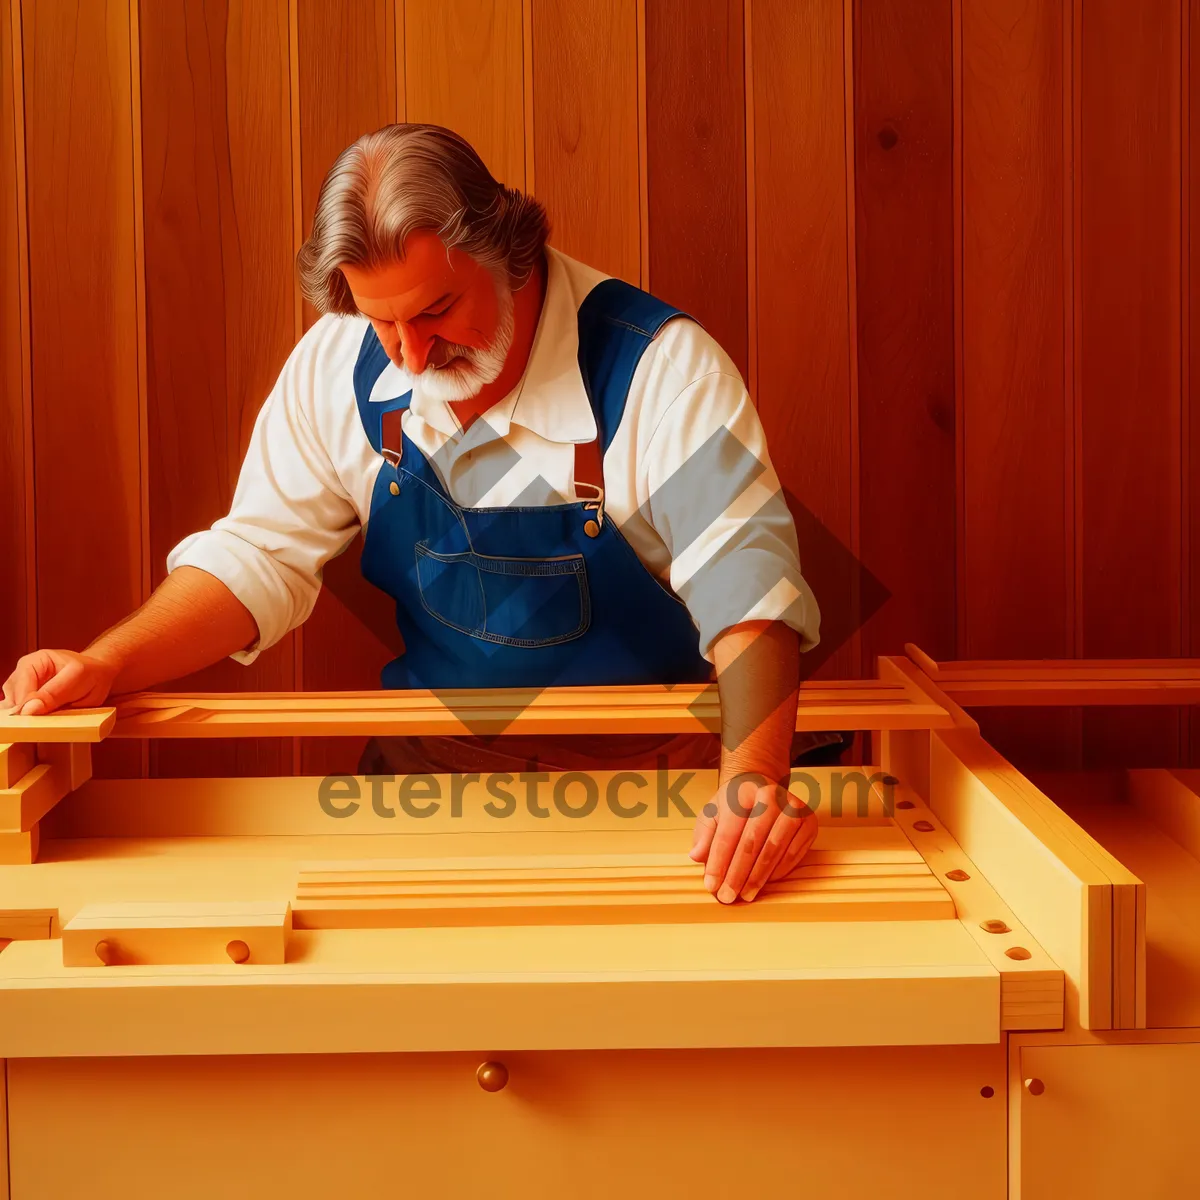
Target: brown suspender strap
{"x":391,"y":439}
{"x":589,"y":467}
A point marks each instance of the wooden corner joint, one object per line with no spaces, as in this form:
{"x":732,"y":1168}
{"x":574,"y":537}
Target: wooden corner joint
{"x":34,"y":777}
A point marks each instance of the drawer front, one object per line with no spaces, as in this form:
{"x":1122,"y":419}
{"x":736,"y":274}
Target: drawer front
{"x":1108,"y":1122}
{"x":643,"y":1125}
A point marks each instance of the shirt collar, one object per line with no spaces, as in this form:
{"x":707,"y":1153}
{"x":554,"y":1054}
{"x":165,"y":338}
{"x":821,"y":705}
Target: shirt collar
{"x":550,"y":399}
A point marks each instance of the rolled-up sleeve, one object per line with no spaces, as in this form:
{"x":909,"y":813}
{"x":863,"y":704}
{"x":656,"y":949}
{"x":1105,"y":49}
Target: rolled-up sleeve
{"x":715,"y":500}
{"x":290,"y":512}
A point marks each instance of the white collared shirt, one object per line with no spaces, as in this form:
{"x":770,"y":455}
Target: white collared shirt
{"x":687,"y":477}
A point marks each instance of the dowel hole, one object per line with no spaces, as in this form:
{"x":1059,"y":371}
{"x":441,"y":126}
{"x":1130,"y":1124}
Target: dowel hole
{"x":957,"y":876}
{"x":1018,"y":952}
{"x":987,"y":1092}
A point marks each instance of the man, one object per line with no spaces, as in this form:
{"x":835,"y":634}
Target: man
{"x":560,"y":480}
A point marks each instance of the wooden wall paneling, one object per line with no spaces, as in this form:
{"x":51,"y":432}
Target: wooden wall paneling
{"x":696,"y":164}
{"x":803,"y":325}
{"x":585,"y":130}
{"x":1130,"y":161}
{"x":904,"y":231}
{"x":1016,"y":503}
{"x":1191,"y":439}
{"x":463,"y":68}
{"x":346,"y":79}
{"x":84,"y":325}
{"x":17,"y":597}
{"x":216,"y":160}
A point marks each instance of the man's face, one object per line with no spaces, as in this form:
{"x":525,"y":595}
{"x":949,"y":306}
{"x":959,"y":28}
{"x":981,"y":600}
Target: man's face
{"x":442,"y":317}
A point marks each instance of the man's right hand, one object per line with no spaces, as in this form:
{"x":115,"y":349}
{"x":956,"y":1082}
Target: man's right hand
{"x":50,"y":679}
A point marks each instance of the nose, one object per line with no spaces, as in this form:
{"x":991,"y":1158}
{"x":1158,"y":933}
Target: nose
{"x":414,"y":347}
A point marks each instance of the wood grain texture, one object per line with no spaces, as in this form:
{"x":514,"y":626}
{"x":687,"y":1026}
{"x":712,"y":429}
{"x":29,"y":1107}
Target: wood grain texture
{"x":585,"y":130}
{"x":463,"y":69}
{"x":904,"y":231}
{"x":696,"y":160}
{"x":1191,"y":390}
{"x":1131,"y":358}
{"x":16,"y":465}
{"x":1016,"y":502}
{"x":347,"y":87}
{"x":84,"y":326}
{"x":803,"y":330}
{"x":219,"y":297}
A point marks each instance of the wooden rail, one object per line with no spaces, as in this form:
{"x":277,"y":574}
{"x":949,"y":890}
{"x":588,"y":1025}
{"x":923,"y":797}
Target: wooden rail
{"x":824,"y":705}
{"x":1065,"y":682}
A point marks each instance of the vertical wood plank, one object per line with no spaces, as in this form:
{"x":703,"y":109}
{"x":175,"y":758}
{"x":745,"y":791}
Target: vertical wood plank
{"x":904,"y":230}
{"x":585,"y":129}
{"x":696,"y":164}
{"x":1016,"y":503}
{"x":803,"y":286}
{"x":219,"y":293}
{"x":16,"y":441}
{"x":1130,"y":244}
{"x":346,"y":74}
{"x":1191,"y":391}
{"x":84,"y":325}
{"x":463,"y":69}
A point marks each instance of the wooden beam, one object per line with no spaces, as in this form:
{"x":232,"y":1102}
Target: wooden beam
{"x":1056,"y":878}
{"x":67,"y":725}
{"x":174,"y":933}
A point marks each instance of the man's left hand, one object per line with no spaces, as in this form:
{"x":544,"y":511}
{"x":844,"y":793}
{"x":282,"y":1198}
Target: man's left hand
{"x":751,"y":833}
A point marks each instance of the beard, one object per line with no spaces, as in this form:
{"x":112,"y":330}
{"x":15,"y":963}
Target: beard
{"x":465,"y":370}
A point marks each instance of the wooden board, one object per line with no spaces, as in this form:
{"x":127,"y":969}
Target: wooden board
{"x":585,"y":130}
{"x":652,"y":889}
{"x":1058,"y":881}
{"x":696,"y":147}
{"x":531,"y":987}
{"x":315,"y":806}
{"x":17,"y":597}
{"x":16,"y":759}
{"x":336,"y":106}
{"x":80,"y":146}
{"x":19,"y":849}
{"x":220,"y":300}
{"x":1131,"y":328}
{"x":157,"y":933}
{"x":1031,"y":983}
{"x":1016,"y":515}
{"x":463,"y":70}
{"x":66,"y":725}
{"x":567,"y":1124}
{"x":803,"y":337}
{"x":24,"y":924}
{"x":38,"y":791}
{"x":904,"y":229}
{"x":621,"y":710}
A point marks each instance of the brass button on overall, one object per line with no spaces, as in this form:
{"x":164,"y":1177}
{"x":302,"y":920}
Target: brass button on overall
{"x":591,"y":528}
{"x":394,"y":488}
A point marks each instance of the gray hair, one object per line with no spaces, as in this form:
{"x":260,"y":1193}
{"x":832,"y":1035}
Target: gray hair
{"x":405,"y":178}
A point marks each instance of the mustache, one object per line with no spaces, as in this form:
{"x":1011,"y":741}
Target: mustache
{"x":442,"y":352}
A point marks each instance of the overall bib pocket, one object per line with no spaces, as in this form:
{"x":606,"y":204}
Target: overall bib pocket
{"x":526,"y":602}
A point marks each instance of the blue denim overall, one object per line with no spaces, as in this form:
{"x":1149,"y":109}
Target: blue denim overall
{"x":522,"y":597}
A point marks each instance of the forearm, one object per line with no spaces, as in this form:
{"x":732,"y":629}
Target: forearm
{"x":190,"y":621}
{"x":758,"y":674}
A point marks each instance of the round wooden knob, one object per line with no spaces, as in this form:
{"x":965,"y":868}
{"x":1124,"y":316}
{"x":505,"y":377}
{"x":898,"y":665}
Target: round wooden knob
{"x":1035,"y":1087}
{"x":492,"y":1076}
{"x":106,"y":952}
{"x":238,"y":951}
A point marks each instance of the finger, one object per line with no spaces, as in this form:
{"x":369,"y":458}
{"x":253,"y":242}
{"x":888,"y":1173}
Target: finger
{"x":755,"y":834}
{"x":734,"y":802}
{"x":783,"y":833}
{"x":800,"y":845}
{"x":70,"y":683}
{"x":31,"y":672}
{"x":706,"y":828}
